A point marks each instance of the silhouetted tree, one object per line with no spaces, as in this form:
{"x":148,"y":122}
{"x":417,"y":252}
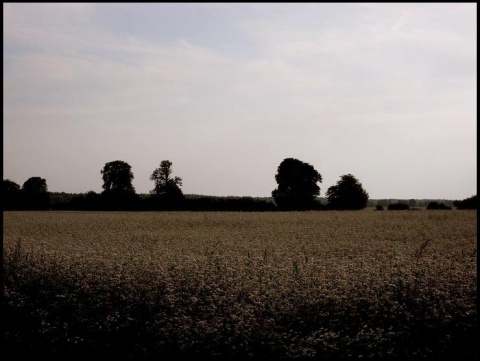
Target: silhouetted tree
{"x":297,"y":185}
{"x":347,"y":194}
{"x":117,"y":178}
{"x":467,"y":203}
{"x":35,"y":193}
{"x":10,"y":194}
{"x":167,"y":192}
{"x":118,"y":193}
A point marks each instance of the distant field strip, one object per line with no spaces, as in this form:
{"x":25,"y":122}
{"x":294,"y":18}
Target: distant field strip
{"x":282,"y":284}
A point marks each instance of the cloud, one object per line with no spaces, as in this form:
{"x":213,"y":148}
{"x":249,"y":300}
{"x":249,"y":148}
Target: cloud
{"x":46,"y":26}
{"x":302,"y":80}
{"x":300,"y":67}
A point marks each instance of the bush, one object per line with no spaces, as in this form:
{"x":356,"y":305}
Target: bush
{"x":437,"y":206}
{"x":379,"y":207}
{"x":467,"y":203}
{"x":398,"y":207}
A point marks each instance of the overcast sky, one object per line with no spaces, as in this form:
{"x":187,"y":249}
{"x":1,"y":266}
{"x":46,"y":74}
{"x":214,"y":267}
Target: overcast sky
{"x":386,"y":92}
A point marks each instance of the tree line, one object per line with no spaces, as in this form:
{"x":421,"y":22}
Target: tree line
{"x":297,"y":189}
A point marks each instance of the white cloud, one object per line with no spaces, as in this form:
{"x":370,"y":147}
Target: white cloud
{"x":308,"y":77}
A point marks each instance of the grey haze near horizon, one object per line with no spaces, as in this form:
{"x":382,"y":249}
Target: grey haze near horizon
{"x":386,"y":92}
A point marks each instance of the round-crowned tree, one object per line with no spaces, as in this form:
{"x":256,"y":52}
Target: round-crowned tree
{"x":117,"y":178}
{"x":35,"y":193}
{"x":347,"y":194}
{"x":118,"y":191}
{"x":297,"y":185}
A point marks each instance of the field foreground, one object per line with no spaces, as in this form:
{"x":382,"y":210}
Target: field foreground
{"x":320,"y":285}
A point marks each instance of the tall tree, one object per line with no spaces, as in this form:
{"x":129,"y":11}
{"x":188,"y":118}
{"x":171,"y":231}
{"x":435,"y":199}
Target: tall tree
{"x":347,"y":194}
{"x":167,"y":188}
{"x":297,"y":185}
{"x":35,"y":193}
{"x":118,"y":191}
{"x":117,"y":178}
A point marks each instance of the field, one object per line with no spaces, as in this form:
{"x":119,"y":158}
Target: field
{"x":353,"y":284}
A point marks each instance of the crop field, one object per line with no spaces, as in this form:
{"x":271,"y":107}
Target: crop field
{"x":164,"y":285}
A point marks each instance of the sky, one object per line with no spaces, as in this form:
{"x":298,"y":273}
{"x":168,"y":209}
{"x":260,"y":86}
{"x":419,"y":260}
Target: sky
{"x":226,"y":91}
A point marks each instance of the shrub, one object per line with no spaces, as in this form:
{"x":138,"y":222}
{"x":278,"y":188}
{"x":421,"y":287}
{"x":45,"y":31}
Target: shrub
{"x":467,"y":203}
{"x":437,"y":206}
{"x":398,"y":206}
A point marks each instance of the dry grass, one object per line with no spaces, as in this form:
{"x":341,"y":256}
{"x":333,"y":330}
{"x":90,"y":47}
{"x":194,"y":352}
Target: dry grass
{"x":294,"y":284}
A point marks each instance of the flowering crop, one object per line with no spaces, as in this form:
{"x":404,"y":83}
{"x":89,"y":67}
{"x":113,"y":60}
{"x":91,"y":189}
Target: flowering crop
{"x":275,"y":285}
